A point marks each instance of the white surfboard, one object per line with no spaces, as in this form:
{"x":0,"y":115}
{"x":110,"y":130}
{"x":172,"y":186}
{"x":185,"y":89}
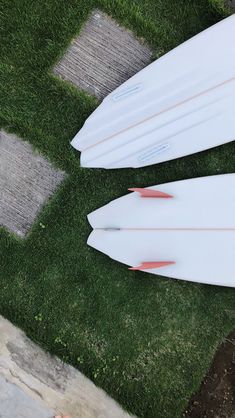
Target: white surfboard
{"x":184,"y":230}
{"x":181,"y":104}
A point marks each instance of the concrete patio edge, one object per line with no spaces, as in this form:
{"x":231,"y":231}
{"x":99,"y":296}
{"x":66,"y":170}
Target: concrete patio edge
{"x":52,"y":384}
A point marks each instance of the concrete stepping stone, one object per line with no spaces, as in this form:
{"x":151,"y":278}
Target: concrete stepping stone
{"x":231,"y":3}
{"x":31,"y":378}
{"x":103,"y":56}
{"x":27,"y":180}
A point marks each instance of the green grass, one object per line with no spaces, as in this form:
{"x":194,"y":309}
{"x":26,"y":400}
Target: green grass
{"x":146,"y":340}
{"x":221,"y":6}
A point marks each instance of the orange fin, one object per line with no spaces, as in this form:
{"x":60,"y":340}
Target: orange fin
{"x":152,"y":265}
{"x":150,"y":193}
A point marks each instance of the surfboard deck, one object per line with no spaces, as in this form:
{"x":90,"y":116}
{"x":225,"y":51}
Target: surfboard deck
{"x":179,"y":105}
{"x":188,"y":235}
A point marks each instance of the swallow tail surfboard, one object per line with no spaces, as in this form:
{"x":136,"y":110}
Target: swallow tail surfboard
{"x":180,"y":104}
{"x":184,"y":230}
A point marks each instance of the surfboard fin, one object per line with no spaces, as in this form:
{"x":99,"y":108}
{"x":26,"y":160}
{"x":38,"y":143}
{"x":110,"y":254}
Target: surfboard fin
{"x":150,"y":193}
{"x":152,"y":265}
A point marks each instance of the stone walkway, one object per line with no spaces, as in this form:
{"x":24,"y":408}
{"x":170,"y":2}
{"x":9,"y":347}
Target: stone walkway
{"x":231,"y":3}
{"x":34,"y":384}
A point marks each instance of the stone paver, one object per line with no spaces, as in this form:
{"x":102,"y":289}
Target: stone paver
{"x":27,"y":372}
{"x":14,"y":403}
{"x":27,"y":180}
{"x":103,"y":56}
{"x":231,"y":3}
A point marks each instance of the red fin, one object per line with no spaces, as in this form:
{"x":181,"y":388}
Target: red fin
{"x":152,"y":265}
{"x":150,"y":193}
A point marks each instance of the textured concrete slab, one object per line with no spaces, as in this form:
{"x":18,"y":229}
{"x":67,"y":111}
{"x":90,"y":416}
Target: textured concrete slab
{"x":103,"y":56}
{"x":15,"y":403}
{"x":27,"y":181}
{"x":26,"y":371}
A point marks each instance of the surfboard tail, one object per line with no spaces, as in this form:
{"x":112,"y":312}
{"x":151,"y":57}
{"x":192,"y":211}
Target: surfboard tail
{"x":159,"y":114}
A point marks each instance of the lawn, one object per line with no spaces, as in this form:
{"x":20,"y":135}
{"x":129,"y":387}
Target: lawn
{"x":148,"y":341}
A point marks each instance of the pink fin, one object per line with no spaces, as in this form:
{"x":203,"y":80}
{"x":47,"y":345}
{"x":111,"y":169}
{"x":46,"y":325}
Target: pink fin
{"x":152,"y":265}
{"x":151,"y":193}
{"x":60,"y":416}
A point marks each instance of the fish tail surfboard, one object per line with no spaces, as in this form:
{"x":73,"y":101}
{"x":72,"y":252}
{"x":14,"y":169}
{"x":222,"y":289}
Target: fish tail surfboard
{"x":180,"y":104}
{"x":190,"y":236}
